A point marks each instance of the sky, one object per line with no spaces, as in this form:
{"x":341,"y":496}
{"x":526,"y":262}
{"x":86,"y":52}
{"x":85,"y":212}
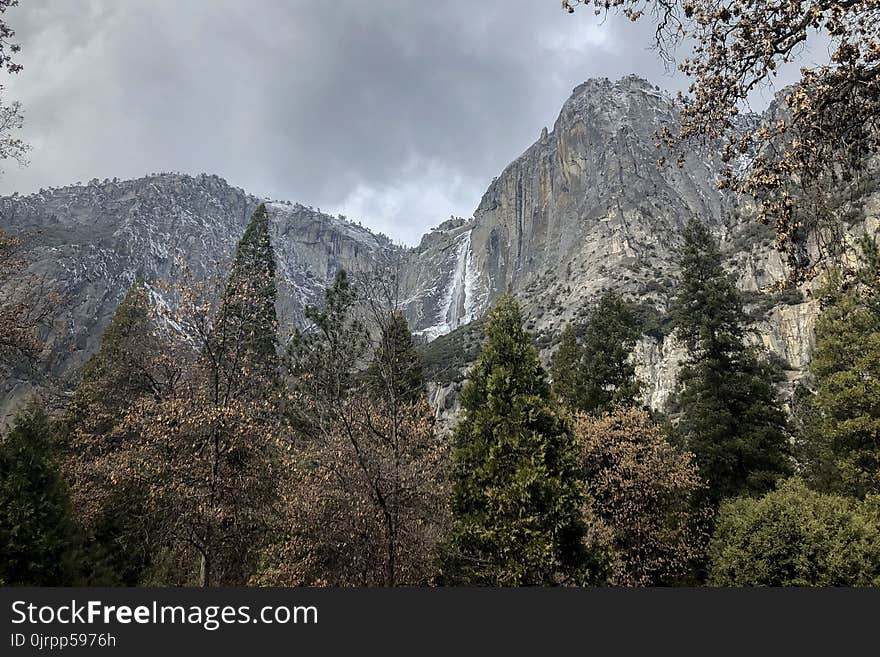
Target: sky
{"x":392,"y":112}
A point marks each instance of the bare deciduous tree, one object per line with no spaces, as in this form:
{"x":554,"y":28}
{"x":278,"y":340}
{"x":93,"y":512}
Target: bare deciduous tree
{"x":365,"y":504}
{"x":640,"y":498}
{"x":10,"y":113}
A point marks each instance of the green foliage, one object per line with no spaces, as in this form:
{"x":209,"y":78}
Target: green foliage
{"x":730,"y":417}
{"x":596,"y":373}
{"x":797,"y":537}
{"x":566,"y":367}
{"x":395,"y":373}
{"x":126,"y":368}
{"x":707,"y":310}
{"x":843,"y":427}
{"x":325,"y":360}
{"x":126,"y":537}
{"x":121,"y":370}
{"x":651,"y":321}
{"x":761,"y":303}
{"x":445,"y":357}
{"x":516,"y":497}
{"x":753,"y":234}
{"x":731,"y":420}
{"x":39,"y":540}
{"x":244,"y":336}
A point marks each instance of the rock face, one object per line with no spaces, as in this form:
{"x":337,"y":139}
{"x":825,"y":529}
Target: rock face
{"x":585,"y":208}
{"x":443,"y":287}
{"x":91,"y":242}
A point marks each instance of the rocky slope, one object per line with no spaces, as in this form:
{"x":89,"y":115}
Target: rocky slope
{"x":583,"y":209}
{"x":90,"y":242}
{"x":586,"y":208}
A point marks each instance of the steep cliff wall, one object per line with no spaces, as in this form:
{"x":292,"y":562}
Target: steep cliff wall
{"x":585,"y":208}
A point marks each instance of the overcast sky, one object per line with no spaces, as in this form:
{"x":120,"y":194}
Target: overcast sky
{"x":394,"y":112}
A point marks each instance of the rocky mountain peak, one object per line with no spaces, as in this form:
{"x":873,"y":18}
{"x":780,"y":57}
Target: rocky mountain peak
{"x":585,"y":208}
{"x":631,"y":103}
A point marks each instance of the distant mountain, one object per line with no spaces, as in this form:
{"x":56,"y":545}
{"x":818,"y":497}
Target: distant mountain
{"x":92,"y":241}
{"x":585,"y":208}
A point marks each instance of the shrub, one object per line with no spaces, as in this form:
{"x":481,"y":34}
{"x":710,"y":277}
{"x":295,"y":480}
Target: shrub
{"x":794,"y":536}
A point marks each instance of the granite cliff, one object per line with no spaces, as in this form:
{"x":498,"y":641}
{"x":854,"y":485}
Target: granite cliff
{"x":584,"y":208}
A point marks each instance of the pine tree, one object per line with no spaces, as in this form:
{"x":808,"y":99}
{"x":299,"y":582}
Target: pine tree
{"x":39,"y":539}
{"x":565,"y":368}
{"x":244,"y":336}
{"x":209,"y":450}
{"x":844,"y":426}
{"x":325,"y":360}
{"x":516,"y":499}
{"x":395,"y":373}
{"x":129,"y":365}
{"x":730,"y":415}
{"x":596,"y":373}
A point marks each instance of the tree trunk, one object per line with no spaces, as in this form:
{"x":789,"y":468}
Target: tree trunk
{"x":389,"y":563}
{"x":204,"y":571}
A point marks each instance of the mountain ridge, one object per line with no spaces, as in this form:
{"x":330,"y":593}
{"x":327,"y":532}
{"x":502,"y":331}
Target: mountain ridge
{"x":582,"y":209}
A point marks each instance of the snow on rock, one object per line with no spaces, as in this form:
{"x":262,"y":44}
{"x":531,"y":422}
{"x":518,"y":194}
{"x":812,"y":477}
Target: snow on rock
{"x":459,"y":301}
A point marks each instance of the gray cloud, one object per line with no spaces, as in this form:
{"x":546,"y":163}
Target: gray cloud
{"x":393,"y":112}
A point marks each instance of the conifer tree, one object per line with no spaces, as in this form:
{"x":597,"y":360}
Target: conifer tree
{"x":596,"y":373}
{"x":39,"y":539}
{"x":395,"y":373}
{"x":844,"y":423}
{"x":130,"y":364}
{"x":730,"y":415}
{"x":516,"y":500}
{"x":210,"y":448}
{"x":565,"y":368}
{"x":244,"y":335}
{"x":126,"y":366}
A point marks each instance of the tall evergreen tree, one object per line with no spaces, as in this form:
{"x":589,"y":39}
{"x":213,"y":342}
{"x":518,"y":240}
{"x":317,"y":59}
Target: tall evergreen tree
{"x":596,"y":373}
{"x":516,"y":499}
{"x":844,"y":414}
{"x":129,"y":365}
{"x":565,"y":368}
{"x":731,"y":418}
{"x":209,"y":450}
{"x":244,"y":336}
{"x":39,"y":540}
{"x":395,"y":373}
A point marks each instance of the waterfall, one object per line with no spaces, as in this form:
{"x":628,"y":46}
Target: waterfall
{"x":456,"y":304}
{"x":456,"y":296}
